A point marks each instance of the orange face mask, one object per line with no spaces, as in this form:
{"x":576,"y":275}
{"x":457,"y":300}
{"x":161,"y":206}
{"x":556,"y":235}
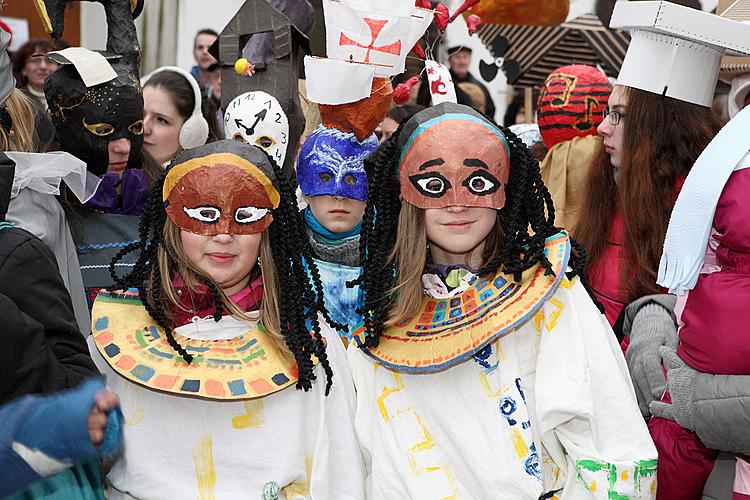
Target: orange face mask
{"x":220,"y":193}
{"x":453,"y":158}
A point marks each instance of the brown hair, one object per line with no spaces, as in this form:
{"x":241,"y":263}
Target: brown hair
{"x":410,"y":256}
{"x":183,"y":98}
{"x":662,"y":139}
{"x":22,"y":132}
{"x":36,"y":46}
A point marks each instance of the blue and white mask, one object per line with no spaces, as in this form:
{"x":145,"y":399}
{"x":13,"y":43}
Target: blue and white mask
{"x":332,"y":162}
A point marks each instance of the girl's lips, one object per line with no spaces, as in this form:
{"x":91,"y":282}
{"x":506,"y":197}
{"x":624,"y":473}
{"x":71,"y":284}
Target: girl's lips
{"x":118,"y":166}
{"x":338,"y":212}
{"x":459,"y":224}
{"x":220,"y":258}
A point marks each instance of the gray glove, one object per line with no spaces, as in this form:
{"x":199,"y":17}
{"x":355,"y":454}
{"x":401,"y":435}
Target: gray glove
{"x":681,"y":387}
{"x":652,"y":328}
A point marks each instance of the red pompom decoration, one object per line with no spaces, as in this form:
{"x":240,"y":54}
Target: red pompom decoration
{"x":425,"y":4}
{"x":571,"y":103}
{"x":442,"y":17}
{"x":472,"y":23}
{"x":403,"y":90}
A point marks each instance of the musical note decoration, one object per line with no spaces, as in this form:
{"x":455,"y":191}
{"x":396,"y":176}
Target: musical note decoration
{"x":571,"y":102}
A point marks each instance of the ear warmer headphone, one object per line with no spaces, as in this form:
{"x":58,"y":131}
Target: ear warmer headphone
{"x":194,"y":131}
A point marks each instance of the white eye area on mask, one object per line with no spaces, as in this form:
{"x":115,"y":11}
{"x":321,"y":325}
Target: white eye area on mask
{"x":431,"y":184}
{"x":248,"y":215}
{"x":481,"y":183}
{"x":208,"y":215}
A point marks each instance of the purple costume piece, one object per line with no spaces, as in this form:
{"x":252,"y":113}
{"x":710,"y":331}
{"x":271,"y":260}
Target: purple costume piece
{"x":132,"y":198}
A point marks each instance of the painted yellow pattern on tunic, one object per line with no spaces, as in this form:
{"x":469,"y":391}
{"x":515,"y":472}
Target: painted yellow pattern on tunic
{"x":408,"y":417}
{"x":253,"y":416}
{"x":554,"y":317}
{"x":205,"y":472}
{"x":299,"y":489}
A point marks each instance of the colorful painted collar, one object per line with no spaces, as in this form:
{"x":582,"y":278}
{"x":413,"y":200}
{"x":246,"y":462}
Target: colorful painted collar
{"x":450,"y":330}
{"x":244,"y":367}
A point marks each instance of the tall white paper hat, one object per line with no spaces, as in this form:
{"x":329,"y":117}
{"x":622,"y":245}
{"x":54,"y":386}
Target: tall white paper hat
{"x":676,"y":51}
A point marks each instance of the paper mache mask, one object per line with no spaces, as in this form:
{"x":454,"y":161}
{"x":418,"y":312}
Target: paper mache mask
{"x":332,"y":162}
{"x":257,"y":118}
{"x":571,"y":103}
{"x":95,"y":97}
{"x":225,"y":187}
{"x":87,"y":119}
{"x":453,"y":156}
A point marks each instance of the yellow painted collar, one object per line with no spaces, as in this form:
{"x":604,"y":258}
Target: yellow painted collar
{"x":244,"y":367}
{"x":450,"y":330}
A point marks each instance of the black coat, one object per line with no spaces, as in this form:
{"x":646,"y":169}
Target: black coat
{"x":41,"y":348}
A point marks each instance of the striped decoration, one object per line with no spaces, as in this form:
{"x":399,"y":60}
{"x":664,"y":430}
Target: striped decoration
{"x":535,"y":51}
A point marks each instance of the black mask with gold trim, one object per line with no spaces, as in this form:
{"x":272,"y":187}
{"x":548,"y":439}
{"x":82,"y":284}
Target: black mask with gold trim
{"x":88,"y":119}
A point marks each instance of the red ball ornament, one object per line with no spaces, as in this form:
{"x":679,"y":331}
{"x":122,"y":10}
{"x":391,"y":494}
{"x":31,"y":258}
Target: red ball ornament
{"x":442,"y":17}
{"x":425,"y":4}
{"x":571,"y":103}
{"x":403,"y":90}
{"x":472,"y":23}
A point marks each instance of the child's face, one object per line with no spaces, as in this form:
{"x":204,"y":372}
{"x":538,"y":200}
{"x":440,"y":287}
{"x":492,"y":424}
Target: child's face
{"x":226,"y":258}
{"x":456,"y":234}
{"x":336,"y":213}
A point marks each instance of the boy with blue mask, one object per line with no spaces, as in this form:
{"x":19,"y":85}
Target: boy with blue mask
{"x":331,"y":176}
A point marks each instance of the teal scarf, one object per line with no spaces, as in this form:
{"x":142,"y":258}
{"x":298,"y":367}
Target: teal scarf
{"x":326,"y":237}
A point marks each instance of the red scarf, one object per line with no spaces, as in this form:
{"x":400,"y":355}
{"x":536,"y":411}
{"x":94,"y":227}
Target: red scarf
{"x":200,"y":302}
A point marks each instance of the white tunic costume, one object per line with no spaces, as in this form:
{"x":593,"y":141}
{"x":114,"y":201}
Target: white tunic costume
{"x":546,"y":406}
{"x":285,"y":444}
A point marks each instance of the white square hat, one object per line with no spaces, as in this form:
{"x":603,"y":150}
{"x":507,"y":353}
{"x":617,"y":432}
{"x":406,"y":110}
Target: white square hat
{"x":676,"y":51}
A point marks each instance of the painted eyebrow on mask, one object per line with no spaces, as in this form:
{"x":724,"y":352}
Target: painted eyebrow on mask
{"x":431,"y":163}
{"x":475,"y":162}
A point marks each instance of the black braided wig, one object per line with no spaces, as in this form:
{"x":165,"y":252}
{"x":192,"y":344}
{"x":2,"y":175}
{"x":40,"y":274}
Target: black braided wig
{"x":300,"y":296}
{"x":526,"y":220}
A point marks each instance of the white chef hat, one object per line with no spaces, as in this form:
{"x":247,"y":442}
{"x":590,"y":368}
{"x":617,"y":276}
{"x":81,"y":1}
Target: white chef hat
{"x":676,"y":51}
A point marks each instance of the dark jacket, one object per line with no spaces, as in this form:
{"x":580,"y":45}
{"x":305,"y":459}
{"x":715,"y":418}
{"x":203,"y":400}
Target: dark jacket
{"x":41,"y":349}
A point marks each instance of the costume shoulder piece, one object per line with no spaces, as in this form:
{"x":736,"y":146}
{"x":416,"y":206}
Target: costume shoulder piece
{"x":244,"y":367}
{"x":450,"y":330}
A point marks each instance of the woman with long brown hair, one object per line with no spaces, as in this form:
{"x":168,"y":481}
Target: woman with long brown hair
{"x":649,"y":144}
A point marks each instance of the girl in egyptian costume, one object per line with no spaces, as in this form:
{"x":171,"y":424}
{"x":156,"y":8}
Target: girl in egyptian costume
{"x":216,"y":329}
{"x":483,"y":368}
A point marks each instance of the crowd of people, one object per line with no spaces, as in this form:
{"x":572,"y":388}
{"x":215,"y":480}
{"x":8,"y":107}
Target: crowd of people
{"x":431,"y":306}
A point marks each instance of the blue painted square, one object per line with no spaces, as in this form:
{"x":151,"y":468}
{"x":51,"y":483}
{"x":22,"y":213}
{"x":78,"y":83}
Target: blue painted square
{"x":456,"y":302}
{"x":442,"y":305}
{"x":438,"y":317}
{"x":237,"y":387}
{"x":486,"y":294}
{"x":191,"y":386}
{"x":481,"y":285}
{"x":142,"y":372}
{"x":456,"y":313}
{"x":112,"y":350}
{"x":500,"y":282}
{"x":101,"y":323}
{"x":280,"y":379}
